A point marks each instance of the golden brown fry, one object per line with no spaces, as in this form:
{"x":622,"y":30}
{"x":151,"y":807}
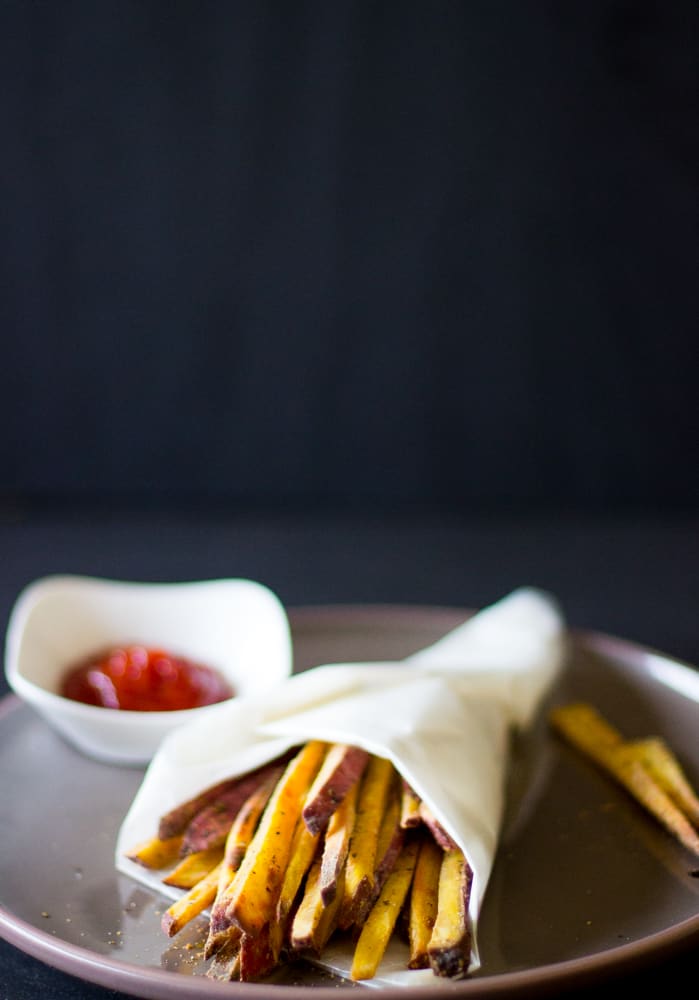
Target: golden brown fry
{"x":191,"y":904}
{"x":410,"y":806}
{"x":193,"y":868}
{"x":328,"y":919}
{"x":582,"y":726}
{"x":389,"y":843}
{"x":636,"y":779}
{"x":664,"y":767}
{"x":250,"y":900}
{"x":342,"y":768}
{"x":423,"y":902}
{"x":378,"y":927}
{"x":303,"y":851}
{"x":237,"y":842}
{"x":361,"y":859}
{"x":336,"y":844}
{"x":449,"y":949}
{"x":156,"y":852}
{"x":307,"y":919}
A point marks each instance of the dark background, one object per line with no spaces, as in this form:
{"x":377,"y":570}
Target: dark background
{"x":349,"y":255}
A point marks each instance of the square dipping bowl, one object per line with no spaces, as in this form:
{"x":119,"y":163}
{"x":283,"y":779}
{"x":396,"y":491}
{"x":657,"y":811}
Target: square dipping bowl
{"x":238,"y":627}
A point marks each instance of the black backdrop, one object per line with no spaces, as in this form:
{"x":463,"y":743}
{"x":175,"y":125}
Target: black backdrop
{"x":349,"y":253}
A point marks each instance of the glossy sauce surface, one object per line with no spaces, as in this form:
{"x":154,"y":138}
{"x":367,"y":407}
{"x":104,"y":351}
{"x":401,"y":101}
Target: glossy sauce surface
{"x":140,"y":679}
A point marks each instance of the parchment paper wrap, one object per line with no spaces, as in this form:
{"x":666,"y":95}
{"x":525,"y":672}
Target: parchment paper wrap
{"x":443,"y":716}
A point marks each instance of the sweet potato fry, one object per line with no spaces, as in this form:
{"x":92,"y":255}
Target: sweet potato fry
{"x":303,"y":851}
{"x":307,"y":919}
{"x":361,"y":859}
{"x":257,"y":958}
{"x":176,"y":821}
{"x":157,"y":853}
{"x":193,"y":868}
{"x":389,"y":843}
{"x":410,"y":806}
{"x":449,"y":949}
{"x":250,"y":900}
{"x":336,"y":844}
{"x":423,"y":902}
{"x":435,"y":827}
{"x":342,"y":768}
{"x":378,"y":927}
{"x":191,"y":904}
{"x":237,"y":842}
{"x":211,"y":825}
{"x":663,"y":766}
{"x":585,"y":729}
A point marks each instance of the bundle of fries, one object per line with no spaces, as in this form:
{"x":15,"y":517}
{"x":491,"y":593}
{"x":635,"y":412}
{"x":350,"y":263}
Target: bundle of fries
{"x":327,"y":841}
{"x":646,"y":768}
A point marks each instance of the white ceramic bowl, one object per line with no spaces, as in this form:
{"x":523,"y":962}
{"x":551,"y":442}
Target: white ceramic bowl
{"x":238,"y":627}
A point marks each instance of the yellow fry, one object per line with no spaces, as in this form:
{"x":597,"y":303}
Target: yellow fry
{"x":410,"y":806}
{"x":193,"y":868}
{"x":582,"y":726}
{"x":251,"y":898}
{"x":303,"y":850}
{"x":307,"y":919}
{"x":378,"y":927}
{"x":361,"y":859}
{"x":243,"y":828}
{"x":336,"y":844}
{"x":156,"y":853}
{"x":191,"y":904}
{"x":423,"y":902}
{"x":662,"y":765}
{"x":632,"y":774}
{"x":449,"y":949}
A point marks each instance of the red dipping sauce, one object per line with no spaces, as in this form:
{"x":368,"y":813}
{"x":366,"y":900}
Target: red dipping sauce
{"x":138,"y":679}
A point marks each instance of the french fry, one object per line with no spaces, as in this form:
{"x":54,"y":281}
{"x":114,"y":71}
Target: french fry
{"x":307,"y":919}
{"x":328,"y":919}
{"x":157,"y":853}
{"x":378,"y":927}
{"x":449,"y":949}
{"x":176,"y":821}
{"x":237,"y":842}
{"x":250,"y":900}
{"x":585,"y":729}
{"x":436,"y":828}
{"x":662,"y":765}
{"x":193,"y":868}
{"x":342,"y":768}
{"x":191,"y":904}
{"x":424,"y":895}
{"x":389,"y":843}
{"x":361,"y":859}
{"x":336,"y":844}
{"x":410,"y":806}
{"x":211,"y":825}
{"x":257,"y":958}
{"x":303,"y":850}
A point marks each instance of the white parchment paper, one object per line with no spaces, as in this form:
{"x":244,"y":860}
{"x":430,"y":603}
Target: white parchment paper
{"x":443,"y":716}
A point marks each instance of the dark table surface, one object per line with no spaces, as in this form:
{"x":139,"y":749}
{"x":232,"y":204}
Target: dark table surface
{"x":631,"y":576}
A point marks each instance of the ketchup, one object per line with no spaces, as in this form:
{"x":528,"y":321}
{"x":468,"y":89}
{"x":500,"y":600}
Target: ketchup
{"x":140,"y":679}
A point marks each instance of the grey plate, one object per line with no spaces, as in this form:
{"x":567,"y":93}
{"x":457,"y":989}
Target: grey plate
{"x":585,"y":885}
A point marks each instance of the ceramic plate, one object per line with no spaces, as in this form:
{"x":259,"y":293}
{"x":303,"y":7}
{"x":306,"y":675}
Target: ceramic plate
{"x":585,"y":885}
